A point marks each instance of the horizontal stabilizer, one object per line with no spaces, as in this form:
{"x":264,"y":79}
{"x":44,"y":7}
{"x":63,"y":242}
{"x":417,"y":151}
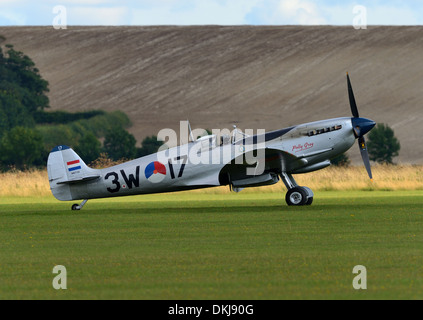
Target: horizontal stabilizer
{"x":75,"y":181}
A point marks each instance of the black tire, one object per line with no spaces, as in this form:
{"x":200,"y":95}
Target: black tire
{"x":310,"y":196}
{"x":309,"y":201}
{"x":75,"y":207}
{"x":296,"y":197}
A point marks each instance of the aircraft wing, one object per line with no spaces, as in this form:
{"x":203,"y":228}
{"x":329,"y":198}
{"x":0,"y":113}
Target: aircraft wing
{"x":271,"y":161}
{"x":281,"y":160}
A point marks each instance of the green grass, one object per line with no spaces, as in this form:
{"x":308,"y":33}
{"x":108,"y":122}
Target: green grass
{"x":211,"y":246}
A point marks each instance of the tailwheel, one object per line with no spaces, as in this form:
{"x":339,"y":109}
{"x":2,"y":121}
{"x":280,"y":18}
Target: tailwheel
{"x":299,"y":196}
{"x":77,"y":207}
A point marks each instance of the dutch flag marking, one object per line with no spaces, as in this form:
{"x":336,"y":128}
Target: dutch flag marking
{"x":73,"y":165}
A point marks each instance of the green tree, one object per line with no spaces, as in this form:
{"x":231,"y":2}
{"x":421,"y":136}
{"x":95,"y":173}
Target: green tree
{"x":21,"y":147}
{"x":149,"y":145}
{"x":119,"y":144}
{"x":89,"y":147}
{"x":12,"y":114}
{"x":21,"y":79}
{"x":22,"y":89}
{"x":382,"y":144}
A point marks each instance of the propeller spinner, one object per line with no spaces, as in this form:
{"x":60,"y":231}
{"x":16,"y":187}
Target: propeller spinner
{"x":360,"y":126}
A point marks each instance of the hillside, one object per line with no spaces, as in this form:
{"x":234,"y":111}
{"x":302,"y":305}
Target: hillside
{"x":254,"y":77}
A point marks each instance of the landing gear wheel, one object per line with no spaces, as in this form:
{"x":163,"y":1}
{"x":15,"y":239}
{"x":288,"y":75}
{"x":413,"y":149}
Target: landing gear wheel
{"x":297,"y":197}
{"x":310,"y":196}
{"x":79,"y":206}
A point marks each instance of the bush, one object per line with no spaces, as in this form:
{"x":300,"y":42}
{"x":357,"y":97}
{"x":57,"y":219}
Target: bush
{"x":149,"y":146}
{"x":119,"y":143}
{"x":63,"y":117}
{"x":101,"y":124}
{"x":88,"y":148}
{"x":73,"y":133}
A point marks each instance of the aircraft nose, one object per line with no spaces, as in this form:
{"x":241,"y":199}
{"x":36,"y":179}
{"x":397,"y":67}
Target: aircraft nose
{"x":362,"y":125}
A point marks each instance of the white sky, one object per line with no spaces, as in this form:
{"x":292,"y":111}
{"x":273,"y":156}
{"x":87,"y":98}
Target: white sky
{"x":200,"y":12}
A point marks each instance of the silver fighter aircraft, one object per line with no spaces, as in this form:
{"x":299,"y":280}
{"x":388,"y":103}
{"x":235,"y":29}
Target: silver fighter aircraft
{"x":225,"y":161}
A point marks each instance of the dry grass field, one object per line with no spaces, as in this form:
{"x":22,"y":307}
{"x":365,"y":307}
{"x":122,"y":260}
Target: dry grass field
{"x":386,"y":178}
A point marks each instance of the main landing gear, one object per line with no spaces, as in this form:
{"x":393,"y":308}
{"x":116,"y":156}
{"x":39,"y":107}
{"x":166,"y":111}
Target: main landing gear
{"x":296,"y":195}
{"x":79,"y":206}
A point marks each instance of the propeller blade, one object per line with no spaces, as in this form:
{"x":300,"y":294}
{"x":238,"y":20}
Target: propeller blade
{"x":353,"y":104}
{"x":365,"y":156}
{"x":360,"y":127}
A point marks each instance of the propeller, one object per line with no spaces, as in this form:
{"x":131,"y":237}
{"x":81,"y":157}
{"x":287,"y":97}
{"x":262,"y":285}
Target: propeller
{"x":360,"y":126}
{"x":353,"y":104}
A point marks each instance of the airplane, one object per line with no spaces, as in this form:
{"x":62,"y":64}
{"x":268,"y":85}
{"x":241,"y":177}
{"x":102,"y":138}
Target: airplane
{"x":295,"y":150}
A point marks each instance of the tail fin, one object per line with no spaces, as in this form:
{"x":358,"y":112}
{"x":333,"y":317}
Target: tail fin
{"x":66,"y":168}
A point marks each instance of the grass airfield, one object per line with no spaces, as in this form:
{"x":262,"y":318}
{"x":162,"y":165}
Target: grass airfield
{"x":205,"y":245}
